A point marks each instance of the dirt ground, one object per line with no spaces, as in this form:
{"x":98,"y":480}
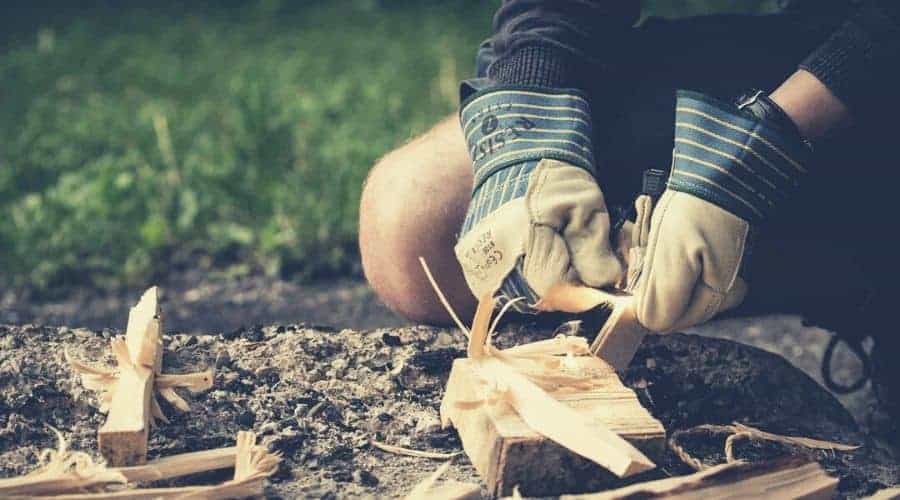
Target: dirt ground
{"x":319,"y":395}
{"x":290,"y":367}
{"x":205,"y":303}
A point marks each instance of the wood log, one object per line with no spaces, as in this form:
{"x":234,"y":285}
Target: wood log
{"x":507,"y":452}
{"x":789,"y":478}
{"x":123,"y":438}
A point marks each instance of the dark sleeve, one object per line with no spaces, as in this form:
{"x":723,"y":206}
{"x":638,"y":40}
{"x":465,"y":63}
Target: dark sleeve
{"x":860,"y":62}
{"x":549,"y":43}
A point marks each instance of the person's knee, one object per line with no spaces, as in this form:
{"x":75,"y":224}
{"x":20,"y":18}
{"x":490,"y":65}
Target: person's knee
{"x":412,"y":205}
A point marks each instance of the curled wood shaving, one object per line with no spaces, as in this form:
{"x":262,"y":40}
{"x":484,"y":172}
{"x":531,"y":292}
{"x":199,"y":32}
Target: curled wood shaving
{"x":61,"y":471}
{"x":399,"y":450}
{"x":104,"y":380}
{"x":253,"y":464}
{"x":740,"y":431}
{"x":557,"y":346}
{"x":442,"y":298}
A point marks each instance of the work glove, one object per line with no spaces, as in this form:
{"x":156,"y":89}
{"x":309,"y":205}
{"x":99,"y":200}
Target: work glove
{"x":732,"y":167}
{"x":537,"y":217}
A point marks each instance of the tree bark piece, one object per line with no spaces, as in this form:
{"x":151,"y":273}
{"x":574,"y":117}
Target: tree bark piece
{"x":507,"y":452}
{"x":789,"y":478}
{"x":123,"y":438}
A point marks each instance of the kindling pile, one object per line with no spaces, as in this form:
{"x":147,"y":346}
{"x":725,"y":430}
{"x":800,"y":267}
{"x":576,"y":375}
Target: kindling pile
{"x":128,"y":395}
{"x":544,"y":418}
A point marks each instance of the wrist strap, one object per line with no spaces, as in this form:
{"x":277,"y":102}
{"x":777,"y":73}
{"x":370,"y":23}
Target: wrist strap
{"x":758,"y":105}
{"x":738,"y":162}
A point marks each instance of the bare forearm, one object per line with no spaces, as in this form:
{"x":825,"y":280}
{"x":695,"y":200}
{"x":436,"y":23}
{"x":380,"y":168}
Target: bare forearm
{"x":811,"y":105}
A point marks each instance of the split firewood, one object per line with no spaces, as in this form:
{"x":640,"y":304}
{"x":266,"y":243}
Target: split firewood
{"x":252,"y":466}
{"x":621,"y":334}
{"x":61,"y":471}
{"x":791,"y":478}
{"x":519,"y":409}
{"x":129,"y":393}
{"x":123,"y":438}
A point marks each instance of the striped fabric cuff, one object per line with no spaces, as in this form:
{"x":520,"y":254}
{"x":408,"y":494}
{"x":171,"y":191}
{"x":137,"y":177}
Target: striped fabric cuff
{"x":737,"y":163}
{"x":505,"y":126}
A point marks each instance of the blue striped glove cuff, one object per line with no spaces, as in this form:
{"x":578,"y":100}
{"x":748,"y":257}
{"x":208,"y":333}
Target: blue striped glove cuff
{"x":723,"y":156}
{"x":506,"y":126}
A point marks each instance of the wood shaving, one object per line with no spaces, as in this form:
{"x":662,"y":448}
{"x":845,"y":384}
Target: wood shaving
{"x":399,"y":450}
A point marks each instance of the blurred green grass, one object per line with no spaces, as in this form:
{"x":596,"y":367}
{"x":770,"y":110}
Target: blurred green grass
{"x":239,"y":134}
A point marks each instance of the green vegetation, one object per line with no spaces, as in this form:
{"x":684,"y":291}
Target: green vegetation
{"x":241,"y":134}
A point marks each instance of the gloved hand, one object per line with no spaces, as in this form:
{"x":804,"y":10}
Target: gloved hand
{"x":732,"y":167}
{"x":537,"y":216}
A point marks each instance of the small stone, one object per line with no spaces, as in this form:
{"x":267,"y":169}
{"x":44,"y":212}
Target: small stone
{"x":339,"y":365}
{"x":391,"y":340}
{"x":268,"y":428}
{"x":289,"y":441}
{"x":83,"y":333}
{"x":204,"y":340}
{"x":246,"y":419}
{"x":220,"y":394}
{"x":233,"y":334}
{"x":268,"y":375}
{"x":222,"y":357}
{"x":380,"y":361}
{"x":427,"y":424}
{"x":365,"y":478}
{"x":254,"y":334}
{"x":444,"y":339}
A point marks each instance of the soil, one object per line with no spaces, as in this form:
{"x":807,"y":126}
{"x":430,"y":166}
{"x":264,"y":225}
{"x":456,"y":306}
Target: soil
{"x":319,"y":395}
{"x":206,"y":301}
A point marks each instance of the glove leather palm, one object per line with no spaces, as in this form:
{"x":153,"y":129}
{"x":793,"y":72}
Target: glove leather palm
{"x":730,"y":171}
{"x":537,"y":216}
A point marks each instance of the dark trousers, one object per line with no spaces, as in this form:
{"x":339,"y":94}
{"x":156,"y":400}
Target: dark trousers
{"x":828,"y":255}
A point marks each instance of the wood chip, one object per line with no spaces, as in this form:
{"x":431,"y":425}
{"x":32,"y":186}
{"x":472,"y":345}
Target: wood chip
{"x":63,"y":471}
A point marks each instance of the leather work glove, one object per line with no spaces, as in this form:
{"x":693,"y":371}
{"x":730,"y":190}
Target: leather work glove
{"x":732,"y":167}
{"x":537,"y":216}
